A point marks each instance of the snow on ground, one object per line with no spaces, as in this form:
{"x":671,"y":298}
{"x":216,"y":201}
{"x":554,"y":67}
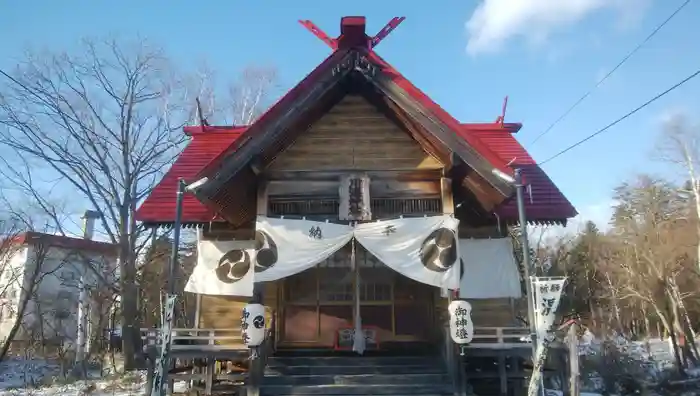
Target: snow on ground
{"x":17,"y":372}
{"x":552,"y":392}
{"x":36,"y":377}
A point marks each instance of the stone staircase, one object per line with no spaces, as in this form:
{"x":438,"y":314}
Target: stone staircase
{"x":356,"y":375}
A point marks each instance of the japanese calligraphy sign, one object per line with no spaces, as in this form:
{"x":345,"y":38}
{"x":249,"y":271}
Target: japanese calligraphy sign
{"x":461,"y":325}
{"x":354,"y":198}
{"x":253,"y":325}
{"x":547,"y":294}
{"x":160,"y":380}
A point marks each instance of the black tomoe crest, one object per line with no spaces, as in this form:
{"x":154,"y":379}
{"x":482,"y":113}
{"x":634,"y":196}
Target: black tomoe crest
{"x":233,"y":266}
{"x":259,"y":322}
{"x":266,"y":251}
{"x":439,"y":250}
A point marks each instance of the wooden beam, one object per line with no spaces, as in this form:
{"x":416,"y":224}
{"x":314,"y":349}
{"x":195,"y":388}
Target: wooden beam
{"x":485,"y":193}
{"x":262,"y":197}
{"x":448,"y":204}
{"x":334,"y":175}
{"x":273,"y":123}
{"x":447,"y":137}
{"x":379,"y":188}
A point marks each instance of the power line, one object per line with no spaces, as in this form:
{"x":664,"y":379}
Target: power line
{"x":600,"y":82}
{"x":645,"y":104}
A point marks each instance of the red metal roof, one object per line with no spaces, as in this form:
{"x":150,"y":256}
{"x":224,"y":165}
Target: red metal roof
{"x":548,"y":203}
{"x":209,"y":146}
{"x":544,"y":201}
{"x":206,"y":144}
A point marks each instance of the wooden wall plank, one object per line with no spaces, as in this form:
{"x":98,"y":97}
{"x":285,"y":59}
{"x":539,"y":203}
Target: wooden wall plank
{"x":491,"y":312}
{"x":354,"y":135}
{"x":224,"y":312}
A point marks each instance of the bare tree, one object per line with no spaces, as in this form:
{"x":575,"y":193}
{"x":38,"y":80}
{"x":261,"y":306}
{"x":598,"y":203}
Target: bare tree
{"x":249,"y":94}
{"x":245,"y":99}
{"x":651,"y":250}
{"x":679,"y":145}
{"x":108,"y":122}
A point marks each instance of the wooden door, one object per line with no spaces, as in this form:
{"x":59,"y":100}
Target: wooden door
{"x":319,"y":301}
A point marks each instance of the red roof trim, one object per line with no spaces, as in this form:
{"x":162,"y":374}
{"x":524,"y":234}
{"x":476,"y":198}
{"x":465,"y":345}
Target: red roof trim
{"x":64,"y":242}
{"x":438,"y":111}
{"x":204,"y":129}
{"x":274,"y":110}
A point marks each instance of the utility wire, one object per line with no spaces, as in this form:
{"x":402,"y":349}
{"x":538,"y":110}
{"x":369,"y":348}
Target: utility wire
{"x":600,"y":82}
{"x":605,"y":128}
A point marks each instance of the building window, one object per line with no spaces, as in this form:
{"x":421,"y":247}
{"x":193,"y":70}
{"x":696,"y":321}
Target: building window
{"x":67,"y":275}
{"x":64,"y":295}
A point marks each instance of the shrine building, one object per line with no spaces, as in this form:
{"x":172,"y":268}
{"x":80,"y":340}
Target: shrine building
{"x":296,"y":204}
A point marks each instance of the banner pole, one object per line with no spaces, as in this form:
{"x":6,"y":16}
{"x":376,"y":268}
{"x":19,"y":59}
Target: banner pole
{"x":525,"y":244}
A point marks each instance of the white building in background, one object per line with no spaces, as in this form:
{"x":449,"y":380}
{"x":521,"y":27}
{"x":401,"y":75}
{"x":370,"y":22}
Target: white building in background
{"x":53,"y":307}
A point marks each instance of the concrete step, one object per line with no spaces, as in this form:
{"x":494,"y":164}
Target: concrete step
{"x":353,"y":361}
{"x":355,"y":375}
{"x":357,"y":379}
{"x":355,"y":369}
{"x":368,"y":390}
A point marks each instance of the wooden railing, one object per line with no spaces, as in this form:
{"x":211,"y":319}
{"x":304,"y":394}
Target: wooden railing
{"x":200,"y":343}
{"x":501,"y":337}
{"x":213,"y":339}
{"x":197,"y":339}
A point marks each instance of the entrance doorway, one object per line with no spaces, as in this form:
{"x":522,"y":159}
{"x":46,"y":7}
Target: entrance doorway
{"x":317,"y":302}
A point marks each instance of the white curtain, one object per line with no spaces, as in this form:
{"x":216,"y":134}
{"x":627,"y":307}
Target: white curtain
{"x":285,"y":247}
{"x":424,"y":249}
{"x":223,"y":268}
{"x":489,"y":269}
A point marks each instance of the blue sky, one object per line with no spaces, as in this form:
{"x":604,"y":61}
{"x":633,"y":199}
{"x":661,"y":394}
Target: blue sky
{"x":467,"y":55}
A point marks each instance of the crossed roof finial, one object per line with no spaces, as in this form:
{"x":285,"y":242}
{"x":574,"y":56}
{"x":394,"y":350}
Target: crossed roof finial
{"x":357,"y":23}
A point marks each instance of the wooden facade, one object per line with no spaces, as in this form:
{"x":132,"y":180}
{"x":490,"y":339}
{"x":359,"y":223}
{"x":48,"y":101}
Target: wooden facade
{"x":308,"y":308}
{"x":353,"y":122}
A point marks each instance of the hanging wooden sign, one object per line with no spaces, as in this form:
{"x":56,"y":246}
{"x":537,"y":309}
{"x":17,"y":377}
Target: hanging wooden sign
{"x":355,"y":201}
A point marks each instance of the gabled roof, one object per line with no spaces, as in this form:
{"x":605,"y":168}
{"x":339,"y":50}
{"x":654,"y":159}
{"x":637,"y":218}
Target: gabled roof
{"x":301,"y":104}
{"x":220,"y":153}
{"x":548,"y":204}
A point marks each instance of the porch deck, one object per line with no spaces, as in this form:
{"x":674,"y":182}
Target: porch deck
{"x":192,"y":341}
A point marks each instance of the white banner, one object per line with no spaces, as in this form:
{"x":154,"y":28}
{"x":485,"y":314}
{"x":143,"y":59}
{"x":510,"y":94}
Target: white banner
{"x":223,"y":268}
{"x":489,"y":269}
{"x":424,"y":249}
{"x":547,"y":294}
{"x":285,"y":247}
